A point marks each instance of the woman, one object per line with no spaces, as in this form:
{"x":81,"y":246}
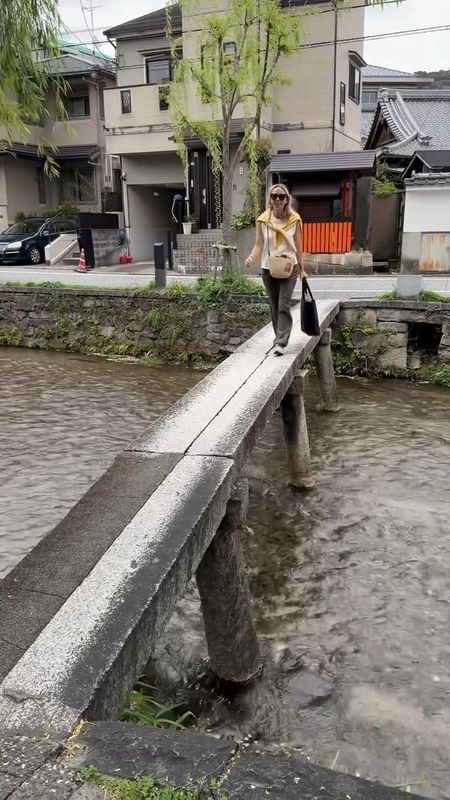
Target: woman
{"x":279,"y":233}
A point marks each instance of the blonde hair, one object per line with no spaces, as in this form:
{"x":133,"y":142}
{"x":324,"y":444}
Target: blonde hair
{"x":288,"y":210}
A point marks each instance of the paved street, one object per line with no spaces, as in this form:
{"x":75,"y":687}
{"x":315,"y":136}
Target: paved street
{"x":323,"y":286}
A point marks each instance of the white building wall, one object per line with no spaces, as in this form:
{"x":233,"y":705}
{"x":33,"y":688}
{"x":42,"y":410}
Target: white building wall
{"x":427,"y":209}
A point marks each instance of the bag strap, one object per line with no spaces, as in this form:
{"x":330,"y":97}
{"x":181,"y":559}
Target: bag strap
{"x":306,"y":289}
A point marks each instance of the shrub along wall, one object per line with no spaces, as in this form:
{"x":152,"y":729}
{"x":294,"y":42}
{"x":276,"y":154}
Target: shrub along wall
{"x":173,"y":324}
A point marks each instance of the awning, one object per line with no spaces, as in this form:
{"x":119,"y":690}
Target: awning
{"x":361,"y":161}
{"x":77,"y":152}
{"x":307,"y":189}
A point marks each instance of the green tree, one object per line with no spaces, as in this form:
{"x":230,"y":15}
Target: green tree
{"x":235,"y":75}
{"x":29,"y":31}
{"x":231,"y":62}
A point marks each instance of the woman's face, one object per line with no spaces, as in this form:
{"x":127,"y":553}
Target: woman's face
{"x":278,"y":200}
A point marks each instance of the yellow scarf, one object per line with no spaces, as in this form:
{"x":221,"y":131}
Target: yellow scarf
{"x":281,"y":229}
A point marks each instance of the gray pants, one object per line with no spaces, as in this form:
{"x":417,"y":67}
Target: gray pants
{"x":280,"y":291}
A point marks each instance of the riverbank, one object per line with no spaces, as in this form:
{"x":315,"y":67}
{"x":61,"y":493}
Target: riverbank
{"x":201,"y":323}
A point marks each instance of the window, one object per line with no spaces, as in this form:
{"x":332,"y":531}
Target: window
{"x":354,"y":83}
{"x":77,"y":185}
{"x":158,"y":70}
{"x":164,"y":93}
{"x":125,"y":99}
{"x":342,"y":105}
{"x":77,"y":107}
{"x":41,"y":185}
{"x":229,"y":48}
{"x":370,"y":97}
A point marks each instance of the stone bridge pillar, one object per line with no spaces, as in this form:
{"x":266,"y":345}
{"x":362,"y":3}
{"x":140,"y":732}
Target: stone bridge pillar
{"x":325,"y":372}
{"x":225,"y":597}
{"x":296,"y":433}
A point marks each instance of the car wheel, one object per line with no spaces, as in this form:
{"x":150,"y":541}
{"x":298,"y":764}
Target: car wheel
{"x":34,"y":255}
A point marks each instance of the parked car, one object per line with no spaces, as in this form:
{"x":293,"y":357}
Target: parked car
{"x":24,"y":242}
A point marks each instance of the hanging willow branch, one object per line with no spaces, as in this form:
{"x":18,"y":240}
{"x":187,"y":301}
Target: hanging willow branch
{"x":29,"y":31}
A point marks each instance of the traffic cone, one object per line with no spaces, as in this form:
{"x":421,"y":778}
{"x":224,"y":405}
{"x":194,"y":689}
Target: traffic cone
{"x":81,"y":263}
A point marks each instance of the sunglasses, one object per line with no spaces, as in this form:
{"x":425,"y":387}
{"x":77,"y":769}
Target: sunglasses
{"x":278,"y":197}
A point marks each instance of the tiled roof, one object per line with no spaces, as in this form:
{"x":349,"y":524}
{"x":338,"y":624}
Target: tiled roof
{"x":149,"y":22}
{"x":419,"y":119}
{"x":366,"y":122}
{"x":429,"y":178}
{"x":371,"y":71}
{"x":341,"y":161}
{"x":76,"y":152}
{"x":79,"y":65}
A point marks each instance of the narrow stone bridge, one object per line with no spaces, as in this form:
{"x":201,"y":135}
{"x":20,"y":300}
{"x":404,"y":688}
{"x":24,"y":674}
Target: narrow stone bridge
{"x":81,"y":614}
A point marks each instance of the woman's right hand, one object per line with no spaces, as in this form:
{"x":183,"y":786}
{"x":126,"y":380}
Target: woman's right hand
{"x":249,"y":260}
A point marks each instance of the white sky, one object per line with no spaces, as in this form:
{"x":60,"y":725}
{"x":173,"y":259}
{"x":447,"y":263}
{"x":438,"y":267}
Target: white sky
{"x":428,"y":51}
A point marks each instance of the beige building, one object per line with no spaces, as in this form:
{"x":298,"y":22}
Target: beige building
{"x":318,"y":112}
{"x":88,"y":176}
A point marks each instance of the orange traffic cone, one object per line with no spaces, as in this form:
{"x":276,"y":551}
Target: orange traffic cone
{"x":81,"y":263}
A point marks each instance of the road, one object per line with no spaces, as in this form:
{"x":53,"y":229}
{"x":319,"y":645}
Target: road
{"x":323,"y":286}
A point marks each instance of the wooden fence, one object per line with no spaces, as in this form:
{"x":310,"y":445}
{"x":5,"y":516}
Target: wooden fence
{"x":327,"y":237}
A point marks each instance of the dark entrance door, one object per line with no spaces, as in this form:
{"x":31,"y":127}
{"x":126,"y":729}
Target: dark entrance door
{"x":201,"y":189}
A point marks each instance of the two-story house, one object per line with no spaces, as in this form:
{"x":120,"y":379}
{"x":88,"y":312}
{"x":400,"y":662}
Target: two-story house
{"x":87,"y":173}
{"x":319,"y":111}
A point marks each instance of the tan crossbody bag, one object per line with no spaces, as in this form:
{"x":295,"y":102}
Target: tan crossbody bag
{"x":280,"y":266}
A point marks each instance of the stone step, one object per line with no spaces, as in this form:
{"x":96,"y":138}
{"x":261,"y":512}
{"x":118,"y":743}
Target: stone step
{"x":71,"y":261}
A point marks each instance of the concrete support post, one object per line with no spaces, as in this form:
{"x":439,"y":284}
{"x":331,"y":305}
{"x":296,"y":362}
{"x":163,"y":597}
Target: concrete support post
{"x":296,"y":433}
{"x":225,"y":597}
{"x":325,"y":372}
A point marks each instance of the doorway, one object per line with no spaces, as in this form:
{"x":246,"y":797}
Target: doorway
{"x":202,"y":202}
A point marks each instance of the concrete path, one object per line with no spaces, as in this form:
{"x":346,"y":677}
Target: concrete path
{"x":324,"y":286}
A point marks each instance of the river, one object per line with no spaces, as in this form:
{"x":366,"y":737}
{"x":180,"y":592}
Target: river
{"x":350,"y":581}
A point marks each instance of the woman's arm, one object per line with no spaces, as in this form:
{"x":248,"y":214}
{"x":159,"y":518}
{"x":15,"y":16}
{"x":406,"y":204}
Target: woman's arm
{"x":258,"y":246}
{"x":299,"y":248}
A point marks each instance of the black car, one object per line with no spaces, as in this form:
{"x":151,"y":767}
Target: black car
{"x":24,"y":242}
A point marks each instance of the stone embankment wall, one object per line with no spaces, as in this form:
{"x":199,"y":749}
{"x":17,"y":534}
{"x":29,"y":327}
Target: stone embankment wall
{"x":126,"y":322}
{"x":395,"y":335}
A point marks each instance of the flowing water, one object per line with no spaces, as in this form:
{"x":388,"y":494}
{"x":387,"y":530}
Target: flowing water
{"x":350,"y":581}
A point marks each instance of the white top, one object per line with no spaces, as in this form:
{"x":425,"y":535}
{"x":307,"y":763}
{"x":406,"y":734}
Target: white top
{"x":269,"y":242}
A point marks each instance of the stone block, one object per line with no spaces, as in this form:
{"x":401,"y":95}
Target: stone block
{"x":7,"y":785}
{"x":35,"y":589}
{"x":113,"y":620}
{"x":258,"y":776}
{"x":394,"y":327}
{"x":395,"y":358}
{"x":21,"y":756}
{"x":55,"y":780}
{"x":129,"y":751}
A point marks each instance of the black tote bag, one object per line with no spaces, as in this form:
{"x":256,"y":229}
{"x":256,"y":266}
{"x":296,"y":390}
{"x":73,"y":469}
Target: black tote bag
{"x":309,"y":318}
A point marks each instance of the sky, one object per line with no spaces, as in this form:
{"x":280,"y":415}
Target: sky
{"x":429,"y":51}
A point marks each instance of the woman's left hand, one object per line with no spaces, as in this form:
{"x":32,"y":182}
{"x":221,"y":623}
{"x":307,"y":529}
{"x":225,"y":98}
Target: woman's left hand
{"x":303,"y":274}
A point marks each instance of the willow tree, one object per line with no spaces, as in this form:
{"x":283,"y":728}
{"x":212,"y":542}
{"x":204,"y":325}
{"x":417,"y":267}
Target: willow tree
{"x":231,"y":63}
{"x":29,"y":31}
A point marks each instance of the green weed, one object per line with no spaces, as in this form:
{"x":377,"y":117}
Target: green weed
{"x":139,"y":789}
{"x":144,"y":709}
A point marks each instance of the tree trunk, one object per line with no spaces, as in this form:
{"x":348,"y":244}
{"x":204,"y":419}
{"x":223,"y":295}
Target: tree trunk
{"x":227,"y":189}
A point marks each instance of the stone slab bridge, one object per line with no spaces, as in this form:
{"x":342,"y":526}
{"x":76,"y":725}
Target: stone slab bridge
{"x":81,"y":614}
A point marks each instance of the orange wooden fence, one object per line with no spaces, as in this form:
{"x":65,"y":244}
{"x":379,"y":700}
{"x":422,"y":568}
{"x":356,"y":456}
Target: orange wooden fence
{"x":327,"y":237}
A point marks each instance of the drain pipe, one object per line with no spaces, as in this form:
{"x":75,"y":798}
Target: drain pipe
{"x":333,"y":124}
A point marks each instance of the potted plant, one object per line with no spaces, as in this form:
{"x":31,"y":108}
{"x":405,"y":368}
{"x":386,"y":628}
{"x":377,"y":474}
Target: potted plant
{"x":187,"y":228}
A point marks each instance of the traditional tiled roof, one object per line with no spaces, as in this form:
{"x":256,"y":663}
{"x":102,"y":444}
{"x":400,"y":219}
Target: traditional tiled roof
{"x":429,"y":179}
{"x":76,"y":59}
{"x":419,"y":119}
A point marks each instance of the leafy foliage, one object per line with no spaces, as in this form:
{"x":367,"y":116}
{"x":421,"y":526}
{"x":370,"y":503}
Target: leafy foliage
{"x":241,"y":78}
{"x":144,"y":709}
{"x":28,"y":39}
{"x":139,"y":789}
{"x":382,"y":185}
